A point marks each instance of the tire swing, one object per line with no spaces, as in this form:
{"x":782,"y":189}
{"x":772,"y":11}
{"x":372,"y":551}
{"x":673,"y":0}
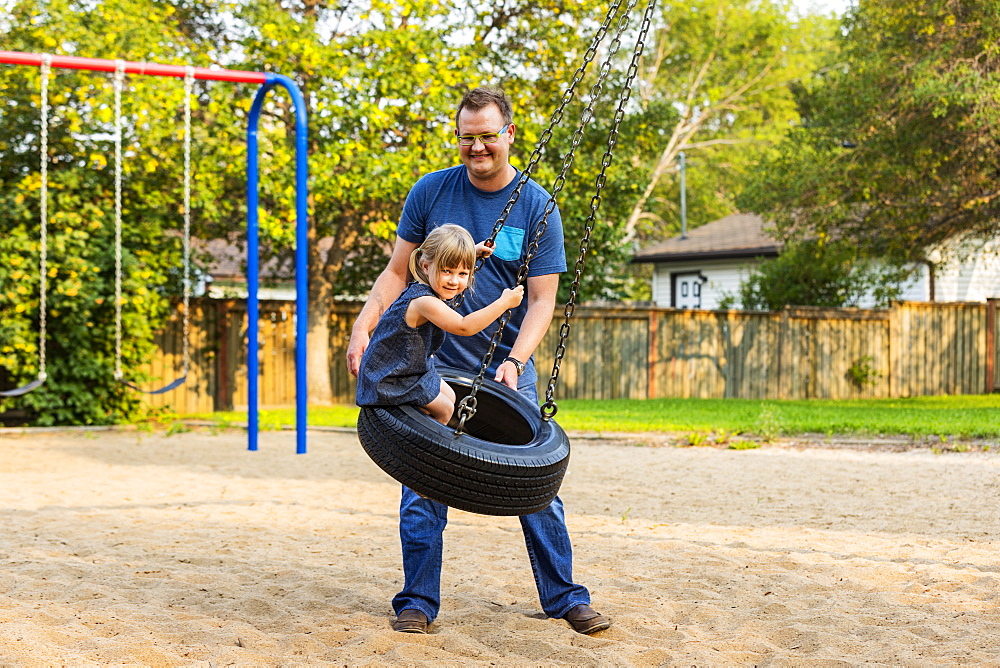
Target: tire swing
{"x":506,"y":456}
{"x":506,"y":462}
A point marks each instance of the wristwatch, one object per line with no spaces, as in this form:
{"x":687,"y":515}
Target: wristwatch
{"x":518,"y":364}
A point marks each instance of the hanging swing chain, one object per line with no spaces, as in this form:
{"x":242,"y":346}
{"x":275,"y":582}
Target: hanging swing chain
{"x":118,"y":81}
{"x":467,"y":407}
{"x":43,"y":246}
{"x":555,"y":119}
{"x":188,"y":89}
{"x":546,"y":135}
{"x":549,"y":408}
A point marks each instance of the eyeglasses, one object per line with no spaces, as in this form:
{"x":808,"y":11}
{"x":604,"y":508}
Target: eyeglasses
{"x":486,"y":137}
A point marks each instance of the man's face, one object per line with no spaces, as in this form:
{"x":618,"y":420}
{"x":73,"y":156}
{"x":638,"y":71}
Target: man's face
{"x":487,"y":163}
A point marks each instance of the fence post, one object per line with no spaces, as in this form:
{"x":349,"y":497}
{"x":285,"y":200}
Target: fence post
{"x":653,"y":356}
{"x":894,"y":346}
{"x":991,"y":339}
{"x":782,"y":333}
{"x":223,"y":396}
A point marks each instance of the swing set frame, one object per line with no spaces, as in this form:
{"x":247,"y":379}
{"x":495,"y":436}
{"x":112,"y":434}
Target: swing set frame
{"x":266,"y":81}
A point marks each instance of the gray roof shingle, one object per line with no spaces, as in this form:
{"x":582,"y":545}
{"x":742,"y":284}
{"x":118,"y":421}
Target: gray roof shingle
{"x":735,"y":236}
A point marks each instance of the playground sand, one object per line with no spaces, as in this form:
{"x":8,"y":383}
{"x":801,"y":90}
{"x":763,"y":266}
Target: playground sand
{"x":154,"y":549}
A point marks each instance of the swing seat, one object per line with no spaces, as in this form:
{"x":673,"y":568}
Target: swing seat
{"x":509,"y":461}
{"x":18,"y":391}
{"x":166,"y":388}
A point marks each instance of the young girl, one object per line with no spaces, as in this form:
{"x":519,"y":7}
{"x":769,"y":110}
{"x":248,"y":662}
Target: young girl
{"x":396,"y":367}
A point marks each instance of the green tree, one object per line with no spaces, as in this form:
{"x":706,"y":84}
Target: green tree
{"x":559,"y":40}
{"x":897,"y":150}
{"x":723,"y":76}
{"x":379,"y":81}
{"x":80,"y":314}
{"x":382,"y":82}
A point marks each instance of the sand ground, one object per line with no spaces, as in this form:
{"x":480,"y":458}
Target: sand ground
{"x":186,"y":549}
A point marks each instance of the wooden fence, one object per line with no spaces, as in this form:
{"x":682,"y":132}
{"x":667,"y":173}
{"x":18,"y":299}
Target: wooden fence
{"x":217,"y":378}
{"x":911,"y":349}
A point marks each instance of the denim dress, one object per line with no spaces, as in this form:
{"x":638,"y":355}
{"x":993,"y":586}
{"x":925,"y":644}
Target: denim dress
{"x":397,"y":368}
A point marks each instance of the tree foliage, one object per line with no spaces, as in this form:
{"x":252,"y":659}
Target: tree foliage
{"x":720,"y":81}
{"x":81,"y":260}
{"x":717,"y":79}
{"x":381,"y":79}
{"x":581,"y":147}
{"x":897,"y":151}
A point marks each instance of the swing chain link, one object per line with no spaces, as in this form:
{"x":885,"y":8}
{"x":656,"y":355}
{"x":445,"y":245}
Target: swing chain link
{"x":549,"y":407}
{"x":118,"y":80}
{"x":467,"y":407}
{"x":556,"y":118}
{"x":188,"y":89}
{"x":43,"y":246}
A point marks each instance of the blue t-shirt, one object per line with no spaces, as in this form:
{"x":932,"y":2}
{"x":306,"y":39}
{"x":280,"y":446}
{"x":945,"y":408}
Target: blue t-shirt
{"x":447,"y":196}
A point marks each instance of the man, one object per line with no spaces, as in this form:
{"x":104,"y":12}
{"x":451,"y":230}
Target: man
{"x":473,"y":195}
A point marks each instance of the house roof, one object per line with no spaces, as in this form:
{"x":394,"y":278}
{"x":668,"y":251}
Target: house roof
{"x":735,"y":236}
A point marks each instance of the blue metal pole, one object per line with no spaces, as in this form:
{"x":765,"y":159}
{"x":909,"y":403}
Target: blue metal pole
{"x":301,"y":259}
{"x":253,"y":278}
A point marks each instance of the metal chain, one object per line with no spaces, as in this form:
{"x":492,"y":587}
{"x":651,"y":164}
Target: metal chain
{"x":556,"y":117}
{"x":467,"y":407}
{"x":119,"y":78}
{"x":43,"y":248}
{"x":549,"y":408}
{"x":188,"y":89}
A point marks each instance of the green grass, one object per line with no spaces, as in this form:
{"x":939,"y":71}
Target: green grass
{"x":970,"y":416}
{"x":965,"y":416}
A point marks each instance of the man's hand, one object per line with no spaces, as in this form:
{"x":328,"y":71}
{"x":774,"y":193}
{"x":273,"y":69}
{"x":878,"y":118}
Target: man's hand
{"x":507,"y":374}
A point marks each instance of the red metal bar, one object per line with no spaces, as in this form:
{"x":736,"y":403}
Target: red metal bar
{"x":151,"y":69}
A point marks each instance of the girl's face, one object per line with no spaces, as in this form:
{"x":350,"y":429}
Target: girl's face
{"x":447,"y":282}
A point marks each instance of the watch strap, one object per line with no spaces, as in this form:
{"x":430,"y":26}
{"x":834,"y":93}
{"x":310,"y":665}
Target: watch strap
{"x":518,"y":364}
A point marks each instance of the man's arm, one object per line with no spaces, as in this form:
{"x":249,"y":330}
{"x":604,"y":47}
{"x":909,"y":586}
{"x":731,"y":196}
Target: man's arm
{"x":388,"y":286}
{"x":541,"y":306}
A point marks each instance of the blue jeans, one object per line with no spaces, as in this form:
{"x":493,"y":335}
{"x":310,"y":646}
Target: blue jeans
{"x":421,"y":532}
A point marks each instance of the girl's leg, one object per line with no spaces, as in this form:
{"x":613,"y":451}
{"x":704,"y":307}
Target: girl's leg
{"x":443,"y":405}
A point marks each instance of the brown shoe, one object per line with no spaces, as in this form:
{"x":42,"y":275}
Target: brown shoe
{"x":410,"y":621}
{"x":586,"y":620}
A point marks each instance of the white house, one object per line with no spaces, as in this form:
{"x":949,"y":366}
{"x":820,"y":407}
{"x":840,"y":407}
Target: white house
{"x":697,"y":270}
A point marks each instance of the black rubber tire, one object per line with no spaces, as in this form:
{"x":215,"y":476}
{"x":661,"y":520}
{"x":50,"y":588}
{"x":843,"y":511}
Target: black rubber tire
{"x":509,"y":461}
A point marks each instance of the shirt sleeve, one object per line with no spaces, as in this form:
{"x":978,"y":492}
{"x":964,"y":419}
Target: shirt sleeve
{"x":413,"y":221}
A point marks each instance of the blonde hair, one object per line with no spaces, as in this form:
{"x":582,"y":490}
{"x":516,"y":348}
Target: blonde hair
{"x":448,"y":247}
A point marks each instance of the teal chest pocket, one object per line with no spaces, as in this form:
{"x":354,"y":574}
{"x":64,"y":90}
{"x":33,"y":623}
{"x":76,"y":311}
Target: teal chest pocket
{"x":509,"y":243}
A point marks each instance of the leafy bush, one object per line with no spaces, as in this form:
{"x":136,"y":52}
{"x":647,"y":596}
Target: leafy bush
{"x":862,"y":373}
{"x":80,"y":340}
{"x":818,"y":273}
